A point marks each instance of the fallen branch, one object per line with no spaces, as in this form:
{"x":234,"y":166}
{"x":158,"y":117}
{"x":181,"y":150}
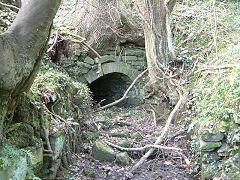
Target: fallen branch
{"x":125,"y":94}
{"x":164,"y":132}
{"x":142,"y":148}
{"x":217,"y":67}
{"x":83,"y":41}
{"x":9,"y":6}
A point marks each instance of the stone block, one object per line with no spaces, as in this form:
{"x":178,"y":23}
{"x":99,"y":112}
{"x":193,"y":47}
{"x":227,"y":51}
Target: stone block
{"x":130,"y":58}
{"x":108,"y":58}
{"x":102,"y":152}
{"x":133,"y":52}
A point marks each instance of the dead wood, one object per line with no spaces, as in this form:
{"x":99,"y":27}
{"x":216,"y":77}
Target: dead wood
{"x":127,"y":91}
{"x":164,"y":132}
{"x":142,"y":148}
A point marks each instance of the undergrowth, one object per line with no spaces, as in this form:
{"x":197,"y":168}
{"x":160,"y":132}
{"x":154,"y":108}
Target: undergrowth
{"x":216,"y":91}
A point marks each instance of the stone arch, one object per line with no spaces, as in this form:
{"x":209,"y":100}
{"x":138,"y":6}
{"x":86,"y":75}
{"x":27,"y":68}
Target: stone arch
{"x":112,"y":67}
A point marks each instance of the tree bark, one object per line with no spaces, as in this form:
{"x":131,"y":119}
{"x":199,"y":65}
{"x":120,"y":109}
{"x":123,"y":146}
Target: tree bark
{"x":21,"y":50}
{"x":157,"y":43}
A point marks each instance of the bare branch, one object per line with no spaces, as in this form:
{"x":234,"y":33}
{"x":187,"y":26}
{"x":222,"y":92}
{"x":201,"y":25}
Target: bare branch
{"x":142,"y":148}
{"x":9,"y":6}
{"x":127,"y":91}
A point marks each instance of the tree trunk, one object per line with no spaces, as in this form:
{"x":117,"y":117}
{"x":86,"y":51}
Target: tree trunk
{"x":21,"y":50}
{"x":157,"y":43}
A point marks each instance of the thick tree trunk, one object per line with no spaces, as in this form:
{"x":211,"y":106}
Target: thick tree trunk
{"x":158,"y":46}
{"x":21,"y":49}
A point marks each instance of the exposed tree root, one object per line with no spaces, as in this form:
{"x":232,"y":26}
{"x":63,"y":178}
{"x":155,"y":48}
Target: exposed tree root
{"x":127,"y":91}
{"x":164,"y":132}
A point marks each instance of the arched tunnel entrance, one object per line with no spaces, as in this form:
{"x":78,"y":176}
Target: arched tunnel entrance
{"x":109,"y":88}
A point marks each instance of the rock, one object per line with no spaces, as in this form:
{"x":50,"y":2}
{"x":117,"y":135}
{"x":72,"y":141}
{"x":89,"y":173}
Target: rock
{"x":212,"y":137}
{"x":209,"y":146}
{"x":102,"y":152}
{"x":89,"y":60}
{"x":223,"y":151}
{"x":124,"y":143}
{"x":123,"y":159}
{"x":89,"y":172}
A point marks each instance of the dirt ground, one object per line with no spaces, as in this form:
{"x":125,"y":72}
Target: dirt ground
{"x":163,"y":164}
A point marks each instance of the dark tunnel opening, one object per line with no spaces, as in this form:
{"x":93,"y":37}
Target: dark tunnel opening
{"x":110,"y":88}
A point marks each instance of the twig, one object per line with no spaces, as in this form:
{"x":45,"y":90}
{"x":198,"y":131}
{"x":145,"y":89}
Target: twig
{"x":217,"y":67}
{"x":127,"y":91}
{"x":9,"y":6}
{"x":154,"y":117}
{"x":83,"y":41}
{"x":142,"y":148}
{"x":164,"y":132}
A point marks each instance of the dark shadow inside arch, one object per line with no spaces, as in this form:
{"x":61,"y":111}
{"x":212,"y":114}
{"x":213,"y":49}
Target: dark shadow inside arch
{"x":110,"y":88}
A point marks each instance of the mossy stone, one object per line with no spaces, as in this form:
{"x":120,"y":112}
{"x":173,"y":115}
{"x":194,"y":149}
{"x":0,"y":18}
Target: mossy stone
{"x":209,"y":146}
{"x":123,"y":159}
{"x":102,"y":152}
{"x":212,"y":137}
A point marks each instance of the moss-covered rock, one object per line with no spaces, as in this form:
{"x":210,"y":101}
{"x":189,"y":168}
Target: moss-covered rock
{"x":102,"y":152}
{"x":209,"y":146}
{"x":123,"y":159}
{"x":212,"y":137}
